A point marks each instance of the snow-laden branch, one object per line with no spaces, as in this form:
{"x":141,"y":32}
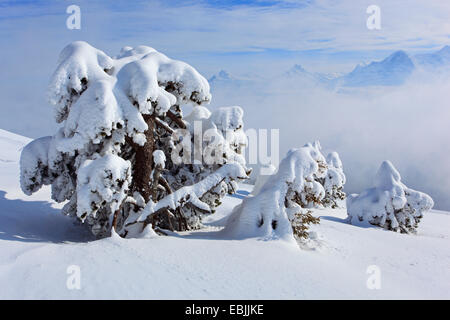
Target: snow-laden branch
{"x":189,"y":194}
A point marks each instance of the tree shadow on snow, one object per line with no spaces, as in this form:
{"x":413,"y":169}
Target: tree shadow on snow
{"x":240,"y":194}
{"x":37,"y":221}
{"x":335,"y":219}
{"x":360,"y":224}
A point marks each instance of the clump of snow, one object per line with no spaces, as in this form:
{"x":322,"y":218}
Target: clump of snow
{"x":389,"y":204}
{"x":223,"y":137}
{"x":78,"y":64}
{"x":34,"y":165}
{"x":228,"y":118}
{"x":159,"y":158}
{"x":41,"y":164}
{"x":264,"y":173}
{"x":102,"y":184}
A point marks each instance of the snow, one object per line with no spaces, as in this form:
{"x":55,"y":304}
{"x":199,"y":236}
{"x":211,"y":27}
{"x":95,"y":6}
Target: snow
{"x":100,"y":102}
{"x":159,"y":158}
{"x":269,"y":214}
{"x":195,"y":192}
{"x":102,"y":183}
{"x":33,"y":161}
{"x":264,"y":173}
{"x":92,"y":91}
{"x":389,"y":204}
{"x":38,"y":245}
{"x":334,"y":180}
{"x":222,"y":129}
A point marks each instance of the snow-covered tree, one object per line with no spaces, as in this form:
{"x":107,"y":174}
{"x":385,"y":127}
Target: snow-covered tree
{"x":281,"y":207}
{"x":389,"y":204}
{"x":333,"y":182}
{"x":116,"y":157}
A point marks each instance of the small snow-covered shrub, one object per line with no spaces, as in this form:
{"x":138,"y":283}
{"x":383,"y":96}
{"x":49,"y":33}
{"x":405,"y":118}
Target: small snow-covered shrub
{"x":280,"y":209}
{"x":111,"y":158}
{"x":389,"y":204}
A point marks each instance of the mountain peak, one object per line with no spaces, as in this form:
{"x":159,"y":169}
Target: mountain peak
{"x":393,"y":70}
{"x":445,"y":50}
{"x":397,"y":56}
{"x":221,"y":75}
{"x":224,"y":74}
{"x":298,"y":67}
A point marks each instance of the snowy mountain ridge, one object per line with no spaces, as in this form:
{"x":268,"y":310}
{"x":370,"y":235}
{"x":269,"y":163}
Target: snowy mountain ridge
{"x":394,"y":70}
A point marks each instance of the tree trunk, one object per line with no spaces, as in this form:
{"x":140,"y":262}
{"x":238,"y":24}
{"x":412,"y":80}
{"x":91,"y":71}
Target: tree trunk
{"x":144,"y":161}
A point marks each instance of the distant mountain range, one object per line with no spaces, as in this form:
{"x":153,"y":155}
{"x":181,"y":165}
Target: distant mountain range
{"x":435,"y":60}
{"x":392,"y":71}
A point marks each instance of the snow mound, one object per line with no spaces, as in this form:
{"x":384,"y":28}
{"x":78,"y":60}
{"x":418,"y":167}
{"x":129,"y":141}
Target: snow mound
{"x":389,"y":204}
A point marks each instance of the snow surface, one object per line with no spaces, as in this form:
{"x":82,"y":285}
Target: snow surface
{"x":38,"y":244}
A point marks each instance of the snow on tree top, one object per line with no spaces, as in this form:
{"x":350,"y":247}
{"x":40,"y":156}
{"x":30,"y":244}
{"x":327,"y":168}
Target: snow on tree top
{"x":228,"y":118}
{"x":334,"y":160}
{"x":97,"y":94}
{"x":387,"y":177}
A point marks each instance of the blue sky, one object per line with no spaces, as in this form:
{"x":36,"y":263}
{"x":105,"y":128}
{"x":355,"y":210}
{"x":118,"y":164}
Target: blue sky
{"x":328,"y":35}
